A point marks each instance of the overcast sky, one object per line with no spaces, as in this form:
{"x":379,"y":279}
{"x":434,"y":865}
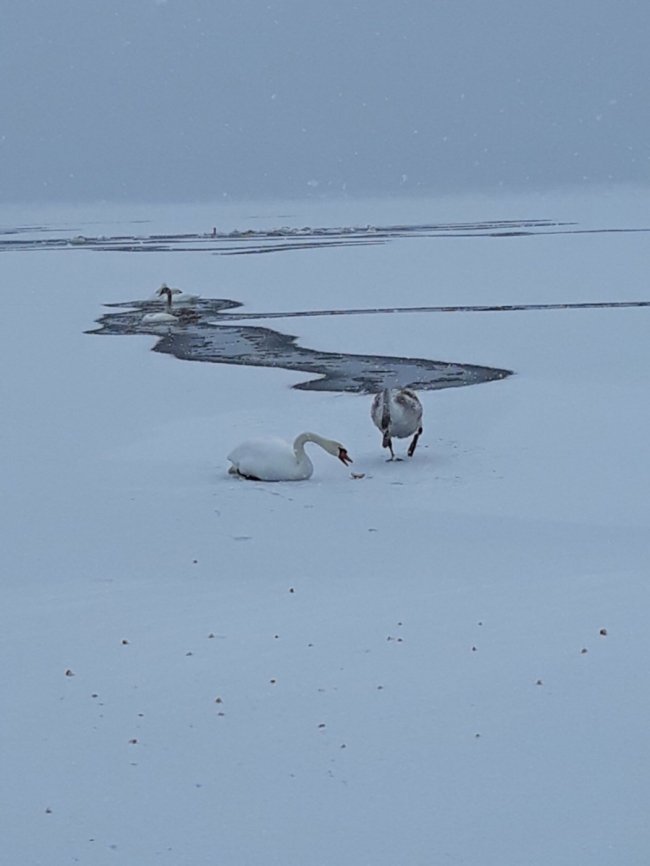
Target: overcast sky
{"x":156,"y":100}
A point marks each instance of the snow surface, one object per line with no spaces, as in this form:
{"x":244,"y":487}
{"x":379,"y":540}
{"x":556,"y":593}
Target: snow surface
{"x":405,"y":668}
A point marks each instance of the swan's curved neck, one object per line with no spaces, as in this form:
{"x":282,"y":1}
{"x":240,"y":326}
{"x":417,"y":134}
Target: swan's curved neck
{"x":301,"y":441}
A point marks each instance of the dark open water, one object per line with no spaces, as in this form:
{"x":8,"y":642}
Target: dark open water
{"x":210,"y":332}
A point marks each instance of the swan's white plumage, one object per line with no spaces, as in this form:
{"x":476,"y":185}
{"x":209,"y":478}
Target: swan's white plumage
{"x":276,"y":460}
{"x":397,"y":412}
{"x":176,"y":297}
{"x":159,"y":319}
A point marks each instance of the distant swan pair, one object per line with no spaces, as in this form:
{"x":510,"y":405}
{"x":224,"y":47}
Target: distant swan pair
{"x":175,"y":298}
{"x":397,"y":412}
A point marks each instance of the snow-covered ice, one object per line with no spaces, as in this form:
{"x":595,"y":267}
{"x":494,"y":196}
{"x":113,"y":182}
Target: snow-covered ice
{"x":445,"y":661}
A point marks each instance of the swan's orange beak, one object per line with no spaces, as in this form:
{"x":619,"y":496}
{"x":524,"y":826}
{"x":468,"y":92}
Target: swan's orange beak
{"x":343,"y":457}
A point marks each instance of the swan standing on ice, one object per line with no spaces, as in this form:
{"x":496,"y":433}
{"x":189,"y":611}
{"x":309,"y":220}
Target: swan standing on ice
{"x":277,"y":460}
{"x":177,"y":295}
{"x":397,"y":412}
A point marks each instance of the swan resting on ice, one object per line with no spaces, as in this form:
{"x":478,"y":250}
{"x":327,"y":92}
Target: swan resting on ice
{"x":277,"y":460}
{"x":159,"y":318}
{"x":397,"y":412}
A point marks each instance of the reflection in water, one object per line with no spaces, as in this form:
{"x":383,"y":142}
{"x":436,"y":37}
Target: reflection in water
{"x":203,"y":335}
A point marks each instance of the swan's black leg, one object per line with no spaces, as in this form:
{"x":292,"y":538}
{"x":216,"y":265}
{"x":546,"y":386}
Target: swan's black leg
{"x":386,"y":443}
{"x":413,"y":444}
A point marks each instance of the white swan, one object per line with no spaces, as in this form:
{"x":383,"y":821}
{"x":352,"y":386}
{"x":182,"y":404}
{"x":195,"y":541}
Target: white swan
{"x":177,"y":295}
{"x":397,"y":412}
{"x":183,"y":314}
{"x":159,"y":319}
{"x":277,"y":460}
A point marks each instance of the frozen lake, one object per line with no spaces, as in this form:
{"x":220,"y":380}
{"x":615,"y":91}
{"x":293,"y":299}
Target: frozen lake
{"x":442,"y":661}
